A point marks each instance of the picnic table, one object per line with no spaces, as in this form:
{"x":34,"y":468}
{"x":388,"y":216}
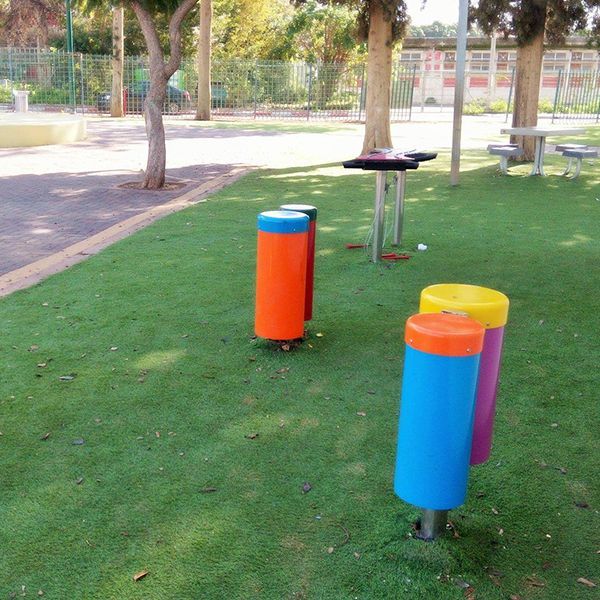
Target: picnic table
{"x":540,"y":134}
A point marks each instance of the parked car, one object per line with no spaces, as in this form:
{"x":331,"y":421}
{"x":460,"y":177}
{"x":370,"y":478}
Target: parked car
{"x":175,"y":101}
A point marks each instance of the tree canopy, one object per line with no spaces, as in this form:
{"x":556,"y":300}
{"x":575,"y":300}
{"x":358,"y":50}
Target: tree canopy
{"x":523,"y":19}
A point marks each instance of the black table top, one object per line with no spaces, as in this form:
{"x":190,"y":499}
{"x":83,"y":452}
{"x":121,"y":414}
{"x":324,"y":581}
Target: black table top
{"x":389,"y":159}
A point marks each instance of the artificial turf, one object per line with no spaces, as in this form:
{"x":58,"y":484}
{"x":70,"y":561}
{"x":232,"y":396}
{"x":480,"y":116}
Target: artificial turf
{"x":144,"y":429}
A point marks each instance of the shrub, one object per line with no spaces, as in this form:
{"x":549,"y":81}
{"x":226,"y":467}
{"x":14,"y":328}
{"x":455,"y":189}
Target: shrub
{"x":477,"y":107}
{"x":498,"y":106}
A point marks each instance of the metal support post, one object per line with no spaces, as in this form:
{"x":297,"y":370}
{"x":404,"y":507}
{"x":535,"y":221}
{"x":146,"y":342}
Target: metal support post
{"x":380,"y":185}
{"x":433,"y":524}
{"x":399,"y":208}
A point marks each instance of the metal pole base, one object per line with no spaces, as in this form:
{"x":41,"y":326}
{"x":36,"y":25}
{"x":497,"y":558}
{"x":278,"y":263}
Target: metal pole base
{"x":433,"y":524}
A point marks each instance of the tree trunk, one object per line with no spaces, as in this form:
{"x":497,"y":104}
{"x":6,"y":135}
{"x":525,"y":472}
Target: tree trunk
{"x":116,"y":97}
{"x":160,"y":73}
{"x":379,"y":72}
{"x":527,"y":91}
{"x":204,"y":101}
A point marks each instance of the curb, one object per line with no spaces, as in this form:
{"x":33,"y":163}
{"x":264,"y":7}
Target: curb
{"x":35,"y":272}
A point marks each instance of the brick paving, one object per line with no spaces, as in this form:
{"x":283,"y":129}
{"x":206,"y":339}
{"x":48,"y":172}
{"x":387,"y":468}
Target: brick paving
{"x":54,"y":196}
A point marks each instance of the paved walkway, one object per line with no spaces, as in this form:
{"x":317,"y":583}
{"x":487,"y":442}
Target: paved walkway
{"x":61,"y":203}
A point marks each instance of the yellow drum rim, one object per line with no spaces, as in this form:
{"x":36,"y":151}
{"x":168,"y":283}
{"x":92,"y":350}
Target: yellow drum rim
{"x":489,"y":307}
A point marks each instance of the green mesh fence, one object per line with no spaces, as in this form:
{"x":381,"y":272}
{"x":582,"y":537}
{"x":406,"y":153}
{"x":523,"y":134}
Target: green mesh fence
{"x":239,"y":88}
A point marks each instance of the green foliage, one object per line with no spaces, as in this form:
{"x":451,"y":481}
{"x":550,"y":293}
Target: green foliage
{"x":250,"y":29}
{"x":476,"y":107}
{"x":525,"y":19}
{"x":319,"y":33}
{"x":545,"y":106}
{"x":498,"y":106}
{"x":435,"y":30}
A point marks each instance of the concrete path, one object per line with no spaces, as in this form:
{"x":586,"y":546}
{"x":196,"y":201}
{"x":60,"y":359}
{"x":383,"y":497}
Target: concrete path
{"x":59,"y":204}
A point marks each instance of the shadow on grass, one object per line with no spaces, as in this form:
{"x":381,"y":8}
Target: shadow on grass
{"x":173,"y":398}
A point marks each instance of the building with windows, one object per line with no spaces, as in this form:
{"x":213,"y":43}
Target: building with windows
{"x":489,"y":67}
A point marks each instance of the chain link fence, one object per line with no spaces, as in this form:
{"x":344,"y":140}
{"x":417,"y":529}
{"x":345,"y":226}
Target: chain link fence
{"x":248,"y":89}
{"x":240,"y":88}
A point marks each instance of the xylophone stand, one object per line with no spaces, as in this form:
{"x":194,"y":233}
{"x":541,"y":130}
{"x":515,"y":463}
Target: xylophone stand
{"x":378,"y":225}
{"x":399,"y":208}
{"x":379,"y":222}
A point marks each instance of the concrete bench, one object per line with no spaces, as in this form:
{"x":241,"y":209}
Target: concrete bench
{"x":563,"y":147}
{"x":577,"y":155}
{"x":504,"y":151}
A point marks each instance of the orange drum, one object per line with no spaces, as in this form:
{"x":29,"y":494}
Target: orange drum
{"x":281,"y":274}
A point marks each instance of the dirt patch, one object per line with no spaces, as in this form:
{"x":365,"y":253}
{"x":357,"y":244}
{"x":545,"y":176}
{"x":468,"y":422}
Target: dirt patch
{"x":139,"y":185}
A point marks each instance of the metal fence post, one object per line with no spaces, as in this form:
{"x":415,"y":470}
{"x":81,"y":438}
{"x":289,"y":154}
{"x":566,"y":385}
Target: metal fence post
{"x":254,"y":86}
{"x":362,"y":93}
{"x":309,"y":91}
{"x":597,"y":82}
{"x":412,"y":91}
{"x":82,"y":83}
{"x":556,"y":95}
{"x":510,"y":92}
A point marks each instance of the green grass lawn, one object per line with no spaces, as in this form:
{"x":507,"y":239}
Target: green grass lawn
{"x":144,"y":429}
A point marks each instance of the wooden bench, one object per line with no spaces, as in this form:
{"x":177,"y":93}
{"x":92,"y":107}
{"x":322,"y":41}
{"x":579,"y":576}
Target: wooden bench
{"x":578,"y":155}
{"x":504,"y":151}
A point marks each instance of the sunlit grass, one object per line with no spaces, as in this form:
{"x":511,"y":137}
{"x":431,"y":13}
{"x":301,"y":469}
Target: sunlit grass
{"x":181,"y":445}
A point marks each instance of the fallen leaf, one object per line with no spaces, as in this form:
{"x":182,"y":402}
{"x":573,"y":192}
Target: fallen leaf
{"x":79,"y":480}
{"x":251,"y":436}
{"x":157,"y":434}
{"x":45,"y":436}
{"x":356,"y":555}
{"x":140,"y":575}
{"x":515,"y":597}
{"x":495,"y":511}
{"x":462,"y":584}
{"x":534,"y":582}
{"x":33,"y":348}
{"x":306,"y":487}
{"x":285,"y":347}
{"x":208,"y":490}
{"x":361,"y":414}
{"x":562,"y":470}
{"x":586,"y":582}
{"x":283,"y":370}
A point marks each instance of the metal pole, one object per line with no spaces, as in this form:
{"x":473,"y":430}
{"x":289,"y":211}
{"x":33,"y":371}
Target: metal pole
{"x":309,"y":91}
{"x":380,"y":184}
{"x":459,"y":88}
{"x":362,"y":94}
{"x":510,"y":92}
{"x":556,"y":95}
{"x":433,"y":524}
{"x":71,"y":65}
{"x":399,"y":207}
{"x":492,"y":69}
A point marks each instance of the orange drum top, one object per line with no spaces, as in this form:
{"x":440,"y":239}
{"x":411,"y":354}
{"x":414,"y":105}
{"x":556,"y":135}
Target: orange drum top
{"x":444,"y":334}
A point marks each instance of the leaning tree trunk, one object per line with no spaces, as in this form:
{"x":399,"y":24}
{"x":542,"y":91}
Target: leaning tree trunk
{"x":203,"y":109}
{"x":116,"y":97}
{"x":160,"y":73}
{"x":527,"y":91}
{"x":379,"y":73}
